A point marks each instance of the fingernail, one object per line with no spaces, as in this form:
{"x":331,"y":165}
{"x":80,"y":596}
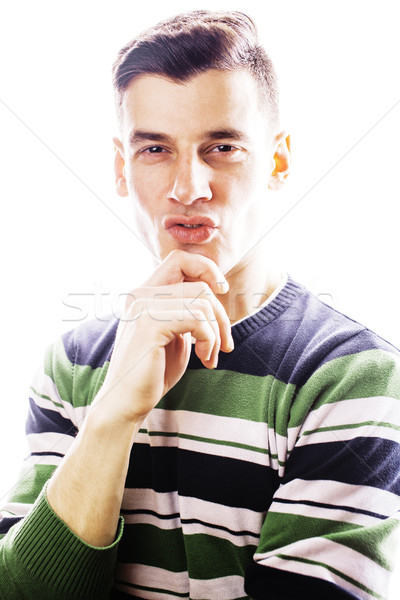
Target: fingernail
{"x":231,"y":344}
{"x":223,"y":286}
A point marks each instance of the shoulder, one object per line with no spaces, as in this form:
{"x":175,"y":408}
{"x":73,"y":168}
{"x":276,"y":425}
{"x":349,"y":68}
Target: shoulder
{"x":305,"y":334}
{"x":340,"y":351}
{"x":77,"y":361}
{"x":91,"y":342}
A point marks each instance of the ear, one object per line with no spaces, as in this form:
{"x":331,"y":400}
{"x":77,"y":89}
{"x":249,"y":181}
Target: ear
{"x":282,"y":161}
{"x":119,"y":168}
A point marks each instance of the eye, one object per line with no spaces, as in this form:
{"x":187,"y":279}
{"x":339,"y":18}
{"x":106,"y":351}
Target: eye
{"x":224,"y":148}
{"x":226,"y":154}
{"x":153,"y":150}
{"x":151,"y":154}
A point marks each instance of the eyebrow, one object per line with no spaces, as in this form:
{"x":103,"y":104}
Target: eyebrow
{"x":139,"y":135}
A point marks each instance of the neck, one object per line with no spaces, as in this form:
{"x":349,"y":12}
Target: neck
{"x":250,"y":285}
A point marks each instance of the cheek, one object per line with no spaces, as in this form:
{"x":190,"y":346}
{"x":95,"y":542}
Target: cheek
{"x":147,"y":187}
{"x":142,"y":202}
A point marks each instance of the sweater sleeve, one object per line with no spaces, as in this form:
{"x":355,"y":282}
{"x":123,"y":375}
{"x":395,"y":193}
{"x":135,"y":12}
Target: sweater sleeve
{"x":332,"y":530}
{"x":40,"y":557}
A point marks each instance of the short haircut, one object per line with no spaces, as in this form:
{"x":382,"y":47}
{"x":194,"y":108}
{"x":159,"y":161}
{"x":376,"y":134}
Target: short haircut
{"x":193,"y":42}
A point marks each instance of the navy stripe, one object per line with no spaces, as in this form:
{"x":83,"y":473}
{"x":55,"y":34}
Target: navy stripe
{"x":43,"y":420}
{"x":361,"y":461}
{"x":7,"y":522}
{"x":220,"y":528}
{"x":188,"y":521}
{"x":91,"y":343}
{"x":265,"y":583}
{"x":308,"y":329}
{"x":46,"y":454}
{"x":151,"y":512}
{"x":216,"y":479}
{"x":332,"y":506}
{"x":270,"y":342}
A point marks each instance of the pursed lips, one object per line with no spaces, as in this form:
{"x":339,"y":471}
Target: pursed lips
{"x":195,"y":229}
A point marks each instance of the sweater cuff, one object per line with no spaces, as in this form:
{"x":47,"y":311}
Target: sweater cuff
{"x":54,"y":556}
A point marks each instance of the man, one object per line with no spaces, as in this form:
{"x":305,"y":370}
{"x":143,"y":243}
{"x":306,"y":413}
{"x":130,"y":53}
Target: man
{"x":229,"y":436}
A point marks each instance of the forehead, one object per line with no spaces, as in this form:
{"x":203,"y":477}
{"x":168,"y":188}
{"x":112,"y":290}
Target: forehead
{"x":211,"y":100}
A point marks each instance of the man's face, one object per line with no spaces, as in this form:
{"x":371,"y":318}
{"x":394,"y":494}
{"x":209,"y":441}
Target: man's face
{"x":197,"y":159}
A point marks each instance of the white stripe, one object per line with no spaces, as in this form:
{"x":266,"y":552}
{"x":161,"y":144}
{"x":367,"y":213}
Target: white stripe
{"x":166,"y":503}
{"x":50,"y":442}
{"x":346,"y":494}
{"x":154,"y":577}
{"x":16,"y":509}
{"x":292,"y":437}
{"x":222,"y":588}
{"x":317,"y":572}
{"x":316,"y":512}
{"x":282,"y":448}
{"x":146,"y":519}
{"x":163,"y":503}
{"x":342,"y":558}
{"x":355,"y":410}
{"x":240,"y":431}
{"x":44,"y":385}
{"x":210,"y":449}
{"x":232,"y":430}
{"x":238,"y":541}
{"x":341,"y":435}
{"x":235,"y":519}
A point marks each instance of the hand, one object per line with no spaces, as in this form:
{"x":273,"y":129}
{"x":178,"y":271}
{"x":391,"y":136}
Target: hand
{"x":153,"y":340}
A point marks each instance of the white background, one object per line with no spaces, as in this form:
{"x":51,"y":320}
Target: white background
{"x":66,"y":237}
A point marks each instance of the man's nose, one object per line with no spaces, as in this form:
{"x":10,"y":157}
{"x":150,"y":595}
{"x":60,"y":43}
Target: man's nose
{"x":190,"y":180}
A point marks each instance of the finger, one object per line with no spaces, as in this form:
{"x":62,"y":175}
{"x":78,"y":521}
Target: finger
{"x":199,"y":308}
{"x":188,"y":293}
{"x":176,"y":322}
{"x":185,"y":266}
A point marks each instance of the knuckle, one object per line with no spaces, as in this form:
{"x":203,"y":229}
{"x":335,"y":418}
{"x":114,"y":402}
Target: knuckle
{"x":203,"y":289}
{"x":203,"y":304}
{"x":175,"y":254}
{"x":197,"y":314}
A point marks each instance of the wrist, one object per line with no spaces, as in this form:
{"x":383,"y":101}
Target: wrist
{"x":111,"y":425}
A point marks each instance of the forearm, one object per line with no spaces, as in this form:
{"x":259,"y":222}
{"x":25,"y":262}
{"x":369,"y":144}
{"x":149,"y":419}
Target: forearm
{"x":87,"y":488}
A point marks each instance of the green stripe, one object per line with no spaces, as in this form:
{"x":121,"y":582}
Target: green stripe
{"x":197,"y":438}
{"x":76,"y":384}
{"x":378,"y":542}
{"x":353,"y":426}
{"x":332,"y":570}
{"x":161,"y":548}
{"x":30,"y":483}
{"x":87,"y":382}
{"x":282,"y":529}
{"x":212,"y":557}
{"x":230,"y":394}
{"x":46,"y":397}
{"x":346,"y":378}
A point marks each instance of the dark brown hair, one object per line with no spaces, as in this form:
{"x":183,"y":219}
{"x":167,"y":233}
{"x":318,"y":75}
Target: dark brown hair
{"x":193,"y":42}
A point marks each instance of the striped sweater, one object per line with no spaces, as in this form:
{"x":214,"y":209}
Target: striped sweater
{"x":276,"y":475}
